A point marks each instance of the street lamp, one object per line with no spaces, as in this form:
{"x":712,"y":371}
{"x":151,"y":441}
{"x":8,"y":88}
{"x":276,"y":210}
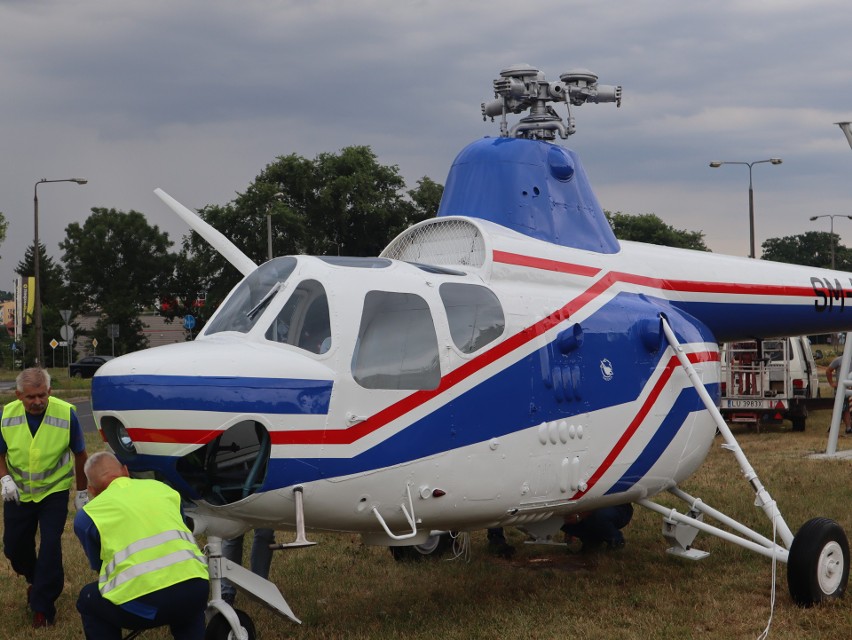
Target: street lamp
{"x":716,"y":164}
{"x":39,"y":345}
{"x":832,"y":216}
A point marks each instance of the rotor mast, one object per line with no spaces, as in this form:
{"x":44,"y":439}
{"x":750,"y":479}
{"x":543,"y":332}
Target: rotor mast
{"x":522,"y":88}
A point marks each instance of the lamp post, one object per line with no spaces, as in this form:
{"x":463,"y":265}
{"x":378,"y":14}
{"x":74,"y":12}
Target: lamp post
{"x":832,"y":216}
{"x":39,"y":345}
{"x":278,"y":197}
{"x":716,"y":164}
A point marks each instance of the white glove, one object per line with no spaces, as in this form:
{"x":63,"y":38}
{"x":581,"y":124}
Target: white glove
{"x":10,"y":489}
{"x":81,"y":499}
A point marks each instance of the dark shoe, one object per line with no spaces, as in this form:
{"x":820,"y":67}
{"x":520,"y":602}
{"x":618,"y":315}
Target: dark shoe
{"x":501,"y":549}
{"x":40,"y":620}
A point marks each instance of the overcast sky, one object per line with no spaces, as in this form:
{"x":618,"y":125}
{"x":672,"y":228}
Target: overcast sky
{"x":198,"y":96}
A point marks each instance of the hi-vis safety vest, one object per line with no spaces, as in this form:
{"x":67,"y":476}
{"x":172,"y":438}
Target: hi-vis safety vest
{"x":43,"y":464}
{"x":145,"y":545}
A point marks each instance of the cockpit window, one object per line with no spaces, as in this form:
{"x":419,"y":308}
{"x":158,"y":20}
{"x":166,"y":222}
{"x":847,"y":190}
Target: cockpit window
{"x":397,"y":346}
{"x":252,"y":296}
{"x":474,"y":314}
{"x":304,"y":320}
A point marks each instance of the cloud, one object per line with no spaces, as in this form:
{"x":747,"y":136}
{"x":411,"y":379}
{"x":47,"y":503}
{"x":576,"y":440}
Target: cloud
{"x":197,"y":97}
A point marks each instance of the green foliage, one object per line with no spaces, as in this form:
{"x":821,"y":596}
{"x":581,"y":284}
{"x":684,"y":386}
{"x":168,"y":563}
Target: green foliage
{"x":4,"y":224}
{"x":118,"y":264}
{"x":648,"y":227}
{"x":812,"y":248}
{"x":336,"y":204}
{"x":53,"y":298}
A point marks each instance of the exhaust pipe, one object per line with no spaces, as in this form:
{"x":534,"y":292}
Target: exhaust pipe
{"x":846,"y":127}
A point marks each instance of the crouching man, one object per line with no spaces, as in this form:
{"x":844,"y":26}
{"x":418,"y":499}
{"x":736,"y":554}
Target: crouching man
{"x":151,"y":570}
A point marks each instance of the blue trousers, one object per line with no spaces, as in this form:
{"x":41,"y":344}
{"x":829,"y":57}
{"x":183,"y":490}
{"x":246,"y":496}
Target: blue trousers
{"x":43,"y":570}
{"x":180,"y":607}
{"x":261,"y":556}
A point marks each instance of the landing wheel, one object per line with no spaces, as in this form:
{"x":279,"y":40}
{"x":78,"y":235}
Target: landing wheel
{"x":818,"y":566}
{"x":434,"y":547}
{"x":219,"y":629}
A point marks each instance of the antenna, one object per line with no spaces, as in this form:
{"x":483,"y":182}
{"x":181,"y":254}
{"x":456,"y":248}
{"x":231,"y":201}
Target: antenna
{"x":522,"y":87}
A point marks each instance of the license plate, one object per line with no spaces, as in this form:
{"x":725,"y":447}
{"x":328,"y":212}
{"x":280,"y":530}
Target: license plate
{"x":745,"y":404}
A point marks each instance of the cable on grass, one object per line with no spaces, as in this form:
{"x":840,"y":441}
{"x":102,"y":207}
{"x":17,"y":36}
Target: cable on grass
{"x":461,"y":546}
{"x":765,"y":633}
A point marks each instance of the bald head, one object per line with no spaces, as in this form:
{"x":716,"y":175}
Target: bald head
{"x":101,"y":469}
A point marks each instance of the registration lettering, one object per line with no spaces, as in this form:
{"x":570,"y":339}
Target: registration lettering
{"x":829,"y":296}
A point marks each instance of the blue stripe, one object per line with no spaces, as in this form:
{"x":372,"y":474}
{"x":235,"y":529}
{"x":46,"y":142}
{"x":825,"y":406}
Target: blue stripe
{"x":739,"y":321}
{"x":686,"y":403}
{"x":196,"y":393}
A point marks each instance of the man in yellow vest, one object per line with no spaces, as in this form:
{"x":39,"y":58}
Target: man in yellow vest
{"x":151,"y":571}
{"x":41,"y":448}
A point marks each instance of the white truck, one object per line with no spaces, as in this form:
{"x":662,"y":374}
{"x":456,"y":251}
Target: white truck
{"x":768,"y":380}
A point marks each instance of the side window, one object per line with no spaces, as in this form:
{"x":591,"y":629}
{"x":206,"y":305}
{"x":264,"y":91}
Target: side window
{"x":474,"y":314}
{"x":397,"y":346}
{"x":304,"y":320}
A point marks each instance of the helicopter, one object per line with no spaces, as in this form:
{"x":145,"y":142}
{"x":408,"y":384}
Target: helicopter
{"x":509,"y":362}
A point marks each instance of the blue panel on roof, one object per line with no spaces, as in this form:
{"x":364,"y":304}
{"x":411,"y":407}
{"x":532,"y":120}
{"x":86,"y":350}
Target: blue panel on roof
{"x":533,"y":187}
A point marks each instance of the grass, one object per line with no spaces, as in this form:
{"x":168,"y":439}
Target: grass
{"x":343,"y":589}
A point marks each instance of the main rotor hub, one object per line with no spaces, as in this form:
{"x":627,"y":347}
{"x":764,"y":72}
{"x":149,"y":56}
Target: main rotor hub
{"x":522,"y":88}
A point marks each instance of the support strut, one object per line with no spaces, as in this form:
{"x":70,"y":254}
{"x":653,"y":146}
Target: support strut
{"x":762,"y":497}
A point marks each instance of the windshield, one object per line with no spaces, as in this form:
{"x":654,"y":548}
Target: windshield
{"x":252,"y":296}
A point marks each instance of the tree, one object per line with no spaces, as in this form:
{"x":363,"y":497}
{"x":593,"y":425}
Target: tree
{"x":426,"y":199}
{"x":4,"y":224}
{"x":117,"y":264}
{"x":648,"y":227}
{"x":336,"y":204}
{"x":53,"y":297}
{"x":812,"y":248}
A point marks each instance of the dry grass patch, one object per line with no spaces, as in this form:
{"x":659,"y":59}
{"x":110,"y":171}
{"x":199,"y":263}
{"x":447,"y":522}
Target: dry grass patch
{"x":343,"y":589}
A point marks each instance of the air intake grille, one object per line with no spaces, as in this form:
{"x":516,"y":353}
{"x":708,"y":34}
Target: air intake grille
{"x":440,"y":242}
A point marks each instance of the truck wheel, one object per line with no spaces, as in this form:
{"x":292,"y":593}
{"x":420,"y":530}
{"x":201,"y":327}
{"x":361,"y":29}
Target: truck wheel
{"x":818,"y":565}
{"x":434,"y":547}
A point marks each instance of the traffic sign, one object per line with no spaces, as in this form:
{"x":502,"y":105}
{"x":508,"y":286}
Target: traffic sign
{"x":54,"y":344}
{"x":67,"y":332}
{"x":188,"y":322}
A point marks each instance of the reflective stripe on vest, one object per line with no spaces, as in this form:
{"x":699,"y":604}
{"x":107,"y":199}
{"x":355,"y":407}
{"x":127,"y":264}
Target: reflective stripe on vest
{"x":26,"y":479}
{"x":146,"y":543}
{"x":40,"y":464}
{"x":138,"y":570}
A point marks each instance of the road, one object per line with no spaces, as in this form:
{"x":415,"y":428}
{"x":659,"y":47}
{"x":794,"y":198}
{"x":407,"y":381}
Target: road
{"x":84,"y":414}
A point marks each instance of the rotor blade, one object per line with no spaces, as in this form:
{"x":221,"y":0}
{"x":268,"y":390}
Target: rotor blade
{"x":845,"y":127}
{"x":216,"y":240}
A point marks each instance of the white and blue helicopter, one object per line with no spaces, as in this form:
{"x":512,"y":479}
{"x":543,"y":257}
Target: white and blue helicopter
{"x":507,"y":363}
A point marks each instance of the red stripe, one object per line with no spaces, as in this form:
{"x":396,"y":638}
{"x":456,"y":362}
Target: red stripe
{"x":673,"y":363}
{"x":546,"y":265}
{"x":690,"y":286}
{"x":458,"y":375}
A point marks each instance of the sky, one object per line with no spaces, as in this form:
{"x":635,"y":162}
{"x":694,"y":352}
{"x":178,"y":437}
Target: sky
{"x":197,"y":97}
